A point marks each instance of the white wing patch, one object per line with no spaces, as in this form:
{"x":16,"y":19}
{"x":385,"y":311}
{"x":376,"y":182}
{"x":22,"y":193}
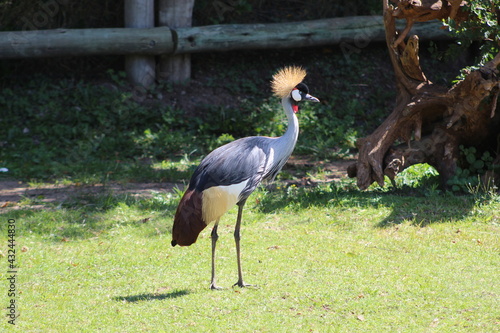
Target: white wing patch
{"x":270,"y":160}
{"x":217,"y":200}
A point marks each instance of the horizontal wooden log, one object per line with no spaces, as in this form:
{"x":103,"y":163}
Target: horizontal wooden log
{"x":84,"y":42}
{"x":356,"y":31}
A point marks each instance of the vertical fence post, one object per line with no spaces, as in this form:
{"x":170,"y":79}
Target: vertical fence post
{"x":140,"y":69}
{"x":175,"y":14}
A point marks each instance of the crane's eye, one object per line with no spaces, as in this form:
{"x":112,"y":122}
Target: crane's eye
{"x":296,"y":95}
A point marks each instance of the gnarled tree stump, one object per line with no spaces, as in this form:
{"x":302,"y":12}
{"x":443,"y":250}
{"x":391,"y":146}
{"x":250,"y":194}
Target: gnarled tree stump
{"x":432,"y":121}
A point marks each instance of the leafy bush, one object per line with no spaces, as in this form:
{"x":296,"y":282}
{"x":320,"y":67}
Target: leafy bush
{"x":467,"y":176}
{"x":419,"y":175}
{"x":482,"y":25}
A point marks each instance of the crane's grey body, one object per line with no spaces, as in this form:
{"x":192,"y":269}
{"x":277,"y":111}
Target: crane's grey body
{"x":254,"y":158}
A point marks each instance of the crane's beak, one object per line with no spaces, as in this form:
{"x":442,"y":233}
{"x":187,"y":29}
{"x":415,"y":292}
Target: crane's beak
{"x":311,"y":98}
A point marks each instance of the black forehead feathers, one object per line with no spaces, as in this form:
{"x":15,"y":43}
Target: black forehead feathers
{"x":303,"y":88}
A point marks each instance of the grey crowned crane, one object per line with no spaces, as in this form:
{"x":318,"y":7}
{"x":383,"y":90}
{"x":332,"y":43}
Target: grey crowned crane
{"x":229,"y":174}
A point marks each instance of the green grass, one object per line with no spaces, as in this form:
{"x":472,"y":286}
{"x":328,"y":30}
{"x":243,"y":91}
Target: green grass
{"x":324,"y":259}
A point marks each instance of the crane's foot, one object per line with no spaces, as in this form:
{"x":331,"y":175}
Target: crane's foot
{"x":242,"y":284}
{"x":213,"y":286}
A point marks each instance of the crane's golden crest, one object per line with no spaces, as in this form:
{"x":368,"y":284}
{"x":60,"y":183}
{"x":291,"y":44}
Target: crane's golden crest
{"x":286,"y":79}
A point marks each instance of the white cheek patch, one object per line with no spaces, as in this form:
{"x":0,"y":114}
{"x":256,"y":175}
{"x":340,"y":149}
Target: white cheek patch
{"x":296,"y":95}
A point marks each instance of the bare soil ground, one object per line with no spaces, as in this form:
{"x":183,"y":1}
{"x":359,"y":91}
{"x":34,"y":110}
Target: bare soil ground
{"x":13,"y":192}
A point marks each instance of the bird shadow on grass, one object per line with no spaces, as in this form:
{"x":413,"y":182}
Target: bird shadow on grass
{"x":151,"y":296}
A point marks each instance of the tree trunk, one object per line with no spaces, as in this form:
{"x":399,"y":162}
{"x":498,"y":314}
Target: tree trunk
{"x":175,"y":14}
{"x":140,"y":69}
{"x":431,"y":120}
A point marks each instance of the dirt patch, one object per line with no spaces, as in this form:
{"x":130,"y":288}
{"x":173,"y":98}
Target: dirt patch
{"x":335,"y":170}
{"x":12,"y":192}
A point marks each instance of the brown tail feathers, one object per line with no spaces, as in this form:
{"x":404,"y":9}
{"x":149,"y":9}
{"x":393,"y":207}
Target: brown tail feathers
{"x":188,"y":222}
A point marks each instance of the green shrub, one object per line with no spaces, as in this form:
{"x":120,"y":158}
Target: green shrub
{"x":467,"y":176}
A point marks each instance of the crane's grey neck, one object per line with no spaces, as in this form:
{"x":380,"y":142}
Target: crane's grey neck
{"x":289,"y":139}
{"x":292,"y":131}
{"x":282,"y":147}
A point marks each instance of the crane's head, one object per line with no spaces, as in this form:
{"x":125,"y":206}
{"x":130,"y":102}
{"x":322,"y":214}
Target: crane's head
{"x":288,"y":83}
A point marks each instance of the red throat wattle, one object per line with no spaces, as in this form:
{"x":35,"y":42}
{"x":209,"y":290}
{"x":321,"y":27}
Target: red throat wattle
{"x":295,"y":108}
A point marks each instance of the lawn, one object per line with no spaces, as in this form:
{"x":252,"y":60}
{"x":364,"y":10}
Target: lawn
{"x":323,"y":258}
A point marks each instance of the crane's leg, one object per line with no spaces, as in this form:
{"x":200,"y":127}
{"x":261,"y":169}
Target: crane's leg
{"x":237,"y":237}
{"x":214,"y":236}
